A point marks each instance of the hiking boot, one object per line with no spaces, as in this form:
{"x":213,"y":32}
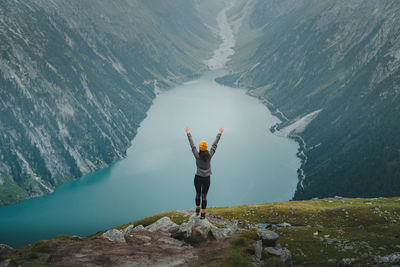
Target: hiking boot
{"x":197,"y":211}
{"x":202,"y":216}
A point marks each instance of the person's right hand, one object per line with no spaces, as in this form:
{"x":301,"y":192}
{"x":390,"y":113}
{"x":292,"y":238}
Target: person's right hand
{"x":187,"y":129}
{"x":221,"y":130}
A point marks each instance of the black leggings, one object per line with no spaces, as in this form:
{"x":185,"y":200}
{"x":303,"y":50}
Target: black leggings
{"x":201,"y":184}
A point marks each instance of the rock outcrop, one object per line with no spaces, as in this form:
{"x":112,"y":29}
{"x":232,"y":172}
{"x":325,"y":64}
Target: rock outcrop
{"x":197,"y":230}
{"x":163,"y":223}
{"x":114,"y":235}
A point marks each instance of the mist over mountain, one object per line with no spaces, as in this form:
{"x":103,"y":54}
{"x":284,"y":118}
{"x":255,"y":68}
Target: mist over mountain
{"x":76,"y":80}
{"x":341,"y":60}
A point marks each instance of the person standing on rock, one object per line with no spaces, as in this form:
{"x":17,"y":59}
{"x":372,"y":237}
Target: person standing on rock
{"x":202,"y":177}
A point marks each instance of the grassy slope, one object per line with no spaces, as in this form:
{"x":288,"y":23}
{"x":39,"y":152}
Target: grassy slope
{"x":338,"y":223}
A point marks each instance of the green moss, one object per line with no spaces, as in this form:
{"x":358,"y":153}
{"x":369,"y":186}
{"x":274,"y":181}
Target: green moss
{"x":67,"y":238}
{"x":237,"y":254}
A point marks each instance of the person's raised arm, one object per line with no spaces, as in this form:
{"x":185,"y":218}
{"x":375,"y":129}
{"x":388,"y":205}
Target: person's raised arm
{"x":192,"y":145}
{"x":214,"y":146}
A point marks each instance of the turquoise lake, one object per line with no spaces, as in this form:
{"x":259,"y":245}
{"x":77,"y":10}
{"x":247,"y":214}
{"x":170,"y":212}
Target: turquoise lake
{"x":251,"y":165}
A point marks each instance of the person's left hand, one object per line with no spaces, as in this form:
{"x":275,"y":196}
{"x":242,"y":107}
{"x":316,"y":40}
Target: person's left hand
{"x":187,"y":129}
{"x":221,"y":130}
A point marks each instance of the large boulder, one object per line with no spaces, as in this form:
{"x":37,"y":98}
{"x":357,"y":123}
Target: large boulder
{"x":114,"y":235}
{"x":163,"y":223}
{"x":197,"y":230}
{"x":268,"y":237}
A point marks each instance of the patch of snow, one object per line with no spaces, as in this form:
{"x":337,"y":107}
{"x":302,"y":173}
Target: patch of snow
{"x":299,"y":125}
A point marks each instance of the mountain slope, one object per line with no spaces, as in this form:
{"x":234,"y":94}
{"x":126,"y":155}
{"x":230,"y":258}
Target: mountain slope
{"x":340,"y":58}
{"x":76,"y":80}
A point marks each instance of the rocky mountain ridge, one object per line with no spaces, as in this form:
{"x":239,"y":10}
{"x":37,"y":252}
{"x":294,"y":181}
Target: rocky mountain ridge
{"x":76,"y":80}
{"x":338,"y":61}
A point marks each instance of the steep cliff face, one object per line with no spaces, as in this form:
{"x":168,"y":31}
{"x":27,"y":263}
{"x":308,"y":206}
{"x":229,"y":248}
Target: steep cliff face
{"x":76,"y":79}
{"x":340,"y":58}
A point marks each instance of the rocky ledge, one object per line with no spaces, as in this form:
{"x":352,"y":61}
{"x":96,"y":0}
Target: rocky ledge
{"x":320,"y":232}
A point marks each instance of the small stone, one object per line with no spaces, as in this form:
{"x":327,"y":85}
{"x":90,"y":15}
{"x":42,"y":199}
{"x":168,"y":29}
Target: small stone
{"x":332,"y":241}
{"x":331,"y":260}
{"x":361,"y":227}
{"x":364,"y":255}
{"x":268,"y":237}
{"x":143,"y":238}
{"x":368,"y":203}
{"x":348,"y":248}
{"x":114,"y":235}
{"x":284,"y":225}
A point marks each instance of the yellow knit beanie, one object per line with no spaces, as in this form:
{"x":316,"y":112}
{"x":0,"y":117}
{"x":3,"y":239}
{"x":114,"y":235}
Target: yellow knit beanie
{"x":203,"y":146}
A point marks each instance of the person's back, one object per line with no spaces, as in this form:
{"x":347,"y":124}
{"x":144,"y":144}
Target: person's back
{"x":203,"y":164}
